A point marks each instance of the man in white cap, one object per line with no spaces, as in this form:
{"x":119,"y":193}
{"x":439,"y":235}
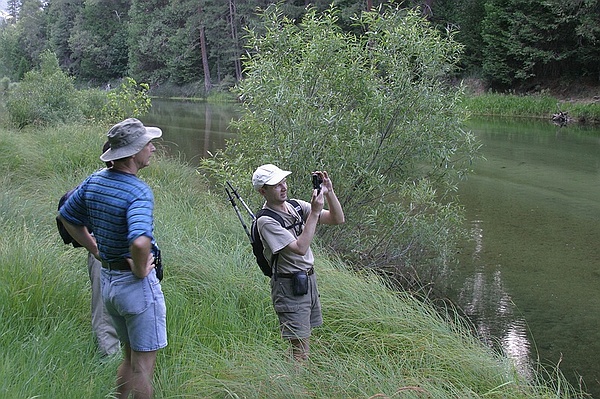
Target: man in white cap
{"x":294,"y":282}
{"x":118,"y":207}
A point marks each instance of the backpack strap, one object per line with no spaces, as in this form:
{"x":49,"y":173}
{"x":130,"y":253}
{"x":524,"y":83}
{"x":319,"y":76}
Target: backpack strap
{"x":296,"y":206}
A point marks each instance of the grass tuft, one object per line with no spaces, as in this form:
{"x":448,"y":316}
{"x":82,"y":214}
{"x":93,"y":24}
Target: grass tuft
{"x":531,"y":106}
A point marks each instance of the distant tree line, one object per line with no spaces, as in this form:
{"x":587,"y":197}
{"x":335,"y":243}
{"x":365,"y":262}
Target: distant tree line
{"x":506,"y":42}
{"x":515,"y":42}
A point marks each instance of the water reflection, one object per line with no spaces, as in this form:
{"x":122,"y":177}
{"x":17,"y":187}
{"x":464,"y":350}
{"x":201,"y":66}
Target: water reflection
{"x":491,"y":309}
{"x":192,"y":130}
{"x":529,"y":276}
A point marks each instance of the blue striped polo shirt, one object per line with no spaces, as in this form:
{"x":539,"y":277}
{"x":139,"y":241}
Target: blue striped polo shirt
{"x":117,"y":206}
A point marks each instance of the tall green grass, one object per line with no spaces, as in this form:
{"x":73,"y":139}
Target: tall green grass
{"x":223,"y":334}
{"x":531,"y":106}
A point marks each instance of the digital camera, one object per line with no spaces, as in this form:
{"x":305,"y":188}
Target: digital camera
{"x":316,"y":182}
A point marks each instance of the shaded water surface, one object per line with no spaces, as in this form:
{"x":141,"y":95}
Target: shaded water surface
{"x":192,"y":129}
{"x":529,"y":278}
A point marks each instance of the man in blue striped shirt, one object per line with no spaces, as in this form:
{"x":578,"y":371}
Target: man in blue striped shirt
{"x":118,"y":207}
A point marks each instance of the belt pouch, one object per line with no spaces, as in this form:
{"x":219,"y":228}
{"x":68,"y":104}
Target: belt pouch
{"x":300,"y":283}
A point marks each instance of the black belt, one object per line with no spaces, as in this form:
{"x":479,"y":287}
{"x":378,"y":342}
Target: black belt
{"x":118,"y":265}
{"x":290,"y":275}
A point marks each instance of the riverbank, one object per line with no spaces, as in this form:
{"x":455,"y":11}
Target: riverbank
{"x":578,"y":105}
{"x":563,"y":103}
{"x":223,"y":339}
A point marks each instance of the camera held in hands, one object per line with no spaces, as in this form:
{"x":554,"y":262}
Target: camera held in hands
{"x":317,"y":180}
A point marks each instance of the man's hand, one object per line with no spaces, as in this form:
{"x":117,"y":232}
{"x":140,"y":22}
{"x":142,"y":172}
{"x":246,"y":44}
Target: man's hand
{"x":142,"y":259}
{"x":335,"y":214}
{"x":327,"y":184}
{"x":317,"y":201}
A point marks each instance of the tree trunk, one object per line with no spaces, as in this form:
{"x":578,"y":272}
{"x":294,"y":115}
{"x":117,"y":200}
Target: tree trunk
{"x":236,"y":43}
{"x":207,"y":84}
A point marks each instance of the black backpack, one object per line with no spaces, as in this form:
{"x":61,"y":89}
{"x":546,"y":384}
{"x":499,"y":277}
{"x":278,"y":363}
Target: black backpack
{"x":64,"y":234}
{"x":257,"y":245}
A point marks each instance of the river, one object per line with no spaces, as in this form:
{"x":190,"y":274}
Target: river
{"x":528,"y":278}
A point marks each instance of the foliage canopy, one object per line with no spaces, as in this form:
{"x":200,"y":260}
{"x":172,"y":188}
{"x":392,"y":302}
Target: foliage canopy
{"x":178,"y":44}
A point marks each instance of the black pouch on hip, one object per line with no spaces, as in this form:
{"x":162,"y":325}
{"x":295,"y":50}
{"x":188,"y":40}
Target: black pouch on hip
{"x":158,"y":264}
{"x":300,"y":283}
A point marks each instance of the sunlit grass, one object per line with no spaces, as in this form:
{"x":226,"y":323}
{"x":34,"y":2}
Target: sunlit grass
{"x":531,"y":106}
{"x":223,"y":334}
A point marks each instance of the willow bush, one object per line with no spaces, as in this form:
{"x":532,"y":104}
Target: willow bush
{"x":45,"y":95}
{"x":374,"y":111}
{"x":48,"y":96}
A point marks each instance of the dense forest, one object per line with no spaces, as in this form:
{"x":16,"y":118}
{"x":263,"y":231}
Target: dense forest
{"x":509,"y":44}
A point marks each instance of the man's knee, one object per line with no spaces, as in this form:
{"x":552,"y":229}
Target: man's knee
{"x":143,"y":362}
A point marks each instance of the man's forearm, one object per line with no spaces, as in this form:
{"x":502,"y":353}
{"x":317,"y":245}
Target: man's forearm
{"x":335,"y":213}
{"x":305,"y":239}
{"x":140,"y":255}
{"x":82,"y":236}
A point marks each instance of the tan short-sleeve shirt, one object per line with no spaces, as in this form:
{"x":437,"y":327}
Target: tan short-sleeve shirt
{"x":276,"y":239}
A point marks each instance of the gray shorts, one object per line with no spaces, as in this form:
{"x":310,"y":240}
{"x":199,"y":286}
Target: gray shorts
{"x":137,"y":306}
{"x":297,"y":314}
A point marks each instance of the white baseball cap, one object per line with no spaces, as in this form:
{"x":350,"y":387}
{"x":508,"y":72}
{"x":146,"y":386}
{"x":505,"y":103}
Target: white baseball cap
{"x":268,"y":174}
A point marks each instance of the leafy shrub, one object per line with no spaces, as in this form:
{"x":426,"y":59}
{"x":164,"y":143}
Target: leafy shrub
{"x":130,"y":99}
{"x":49,"y":96}
{"x":44,"y":96}
{"x":4,"y":84}
{"x":374,"y":111}
{"x":93,"y":103}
